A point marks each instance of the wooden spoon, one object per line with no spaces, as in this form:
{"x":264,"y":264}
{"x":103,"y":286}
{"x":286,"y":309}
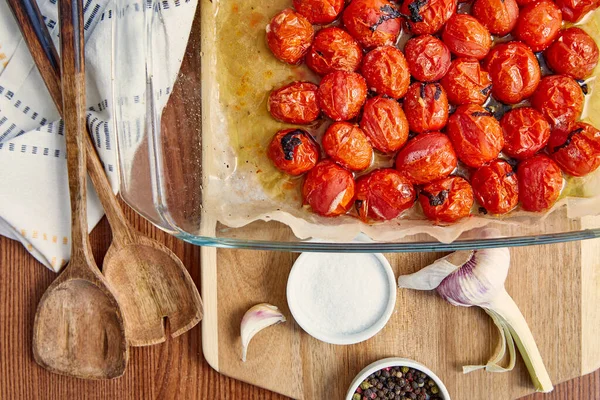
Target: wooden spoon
{"x":150,"y":282}
{"x":78,"y":328}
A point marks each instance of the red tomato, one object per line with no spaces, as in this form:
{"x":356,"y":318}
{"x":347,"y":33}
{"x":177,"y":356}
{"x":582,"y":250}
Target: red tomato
{"x":523,"y":3}
{"x":496,"y":187}
{"x":426,"y":158}
{"x":526,"y":132}
{"x":426,"y":107}
{"x":372,"y":22}
{"x":333,"y":50}
{"x":514,"y":70}
{"x":386,"y":71}
{"x":295,"y":103}
{"x":319,"y":11}
{"x":447,"y":200}
{"x":348,"y":145}
{"x":428,"y":58}
{"x":499,"y":16}
{"x":427,"y":16}
{"x":539,"y":24}
{"x":576,"y":149}
{"x":342,"y":94}
{"x":467,"y":37}
{"x":385,"y":124}
{"x":574,"y":53}
{"x":293,"y":151}
{"x":540,"y":183}
{"x":574,"y":10}
{"x":328,"y":189}
{"x":383,"y":194}
{"x":559,"y":98}
{"x":289,"y":36}
{"x":475,"y":135}
{"x":466,"y":82}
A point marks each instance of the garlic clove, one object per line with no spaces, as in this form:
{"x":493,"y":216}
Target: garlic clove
{"x":430,"y":277}
{"x":256,"y":319}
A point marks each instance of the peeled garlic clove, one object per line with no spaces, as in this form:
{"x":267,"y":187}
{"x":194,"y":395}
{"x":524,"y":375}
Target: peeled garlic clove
{"x":431,"y":276}
{"x":256,"y":319}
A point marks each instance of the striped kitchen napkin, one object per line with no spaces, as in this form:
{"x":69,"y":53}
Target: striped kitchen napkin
{"x":34,"y":199}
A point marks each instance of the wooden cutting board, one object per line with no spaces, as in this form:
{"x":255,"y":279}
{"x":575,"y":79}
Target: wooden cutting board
{"x":556,"y":286}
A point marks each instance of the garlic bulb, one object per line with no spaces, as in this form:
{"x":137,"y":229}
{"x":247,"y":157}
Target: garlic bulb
{"x":255,"y":320}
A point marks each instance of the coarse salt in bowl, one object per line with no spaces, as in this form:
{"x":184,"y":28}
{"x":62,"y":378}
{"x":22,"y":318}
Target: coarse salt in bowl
{"x":341,"y":298}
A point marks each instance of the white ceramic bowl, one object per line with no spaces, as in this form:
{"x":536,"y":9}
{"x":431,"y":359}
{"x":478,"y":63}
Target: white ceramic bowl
{"x":295,"y":298}
{"x":395,"y":362}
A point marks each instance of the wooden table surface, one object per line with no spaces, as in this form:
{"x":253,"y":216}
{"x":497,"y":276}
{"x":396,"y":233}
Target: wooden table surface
{"x":173,"y":370}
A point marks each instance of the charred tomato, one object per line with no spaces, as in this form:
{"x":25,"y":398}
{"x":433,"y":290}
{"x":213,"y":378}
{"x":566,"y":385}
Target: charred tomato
{"x":289,"y":36}
{"x":426,"y":158}
{"x":333,"y":50}
{"x":559,"y":98}
{"x":385,"y":124}
{"x":574,"y":10}
{"x":495,"y":187}
{"x":425,"y":17}
{"x":428,"y":58}
{"x":466,"y":82}
{"x":347,"y":144}
{"x":514,"y":70}
{"x":383,"y":194}
{"x":319,"y":11}
{"x":576,"y":149}
{"x":574,"y":53}
{"x":341,"y":95}
{"x":526,"y":132}
{"x":475,"y":135}
{"x":447,"y":200}
{"x":539,"y":24}
{"x":295,"y":103}
{"x":465,"y":36}
{"x":540,"y":183}
{"x":426,"y":107}
{"x":386,"y":71}
{"x":498,"y":16}
{"x":293,"y":151}
{"x":372,"y":22}
{"x":328,"y":189}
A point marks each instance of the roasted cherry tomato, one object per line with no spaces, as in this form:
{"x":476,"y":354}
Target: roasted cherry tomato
{"x":428,"y":58}
{"x":289,"y":36}
{"x":498,"y":16}
{"x":386,"y":71}
{"x":348,"y":145}
{"x":574,"y":10}
{"x":328,"y":189}
{"x":539,"y":24}
{"x":514,"y":70}
{"x":383,"y":194}
{"x":342,"y":94}
{"x":319,"y":11}
{"x":372,"y":22}
{"x":574,"y":53}
{"x":426,"y":158}
{"x":559,"y":98}
{"x":467,"y":37}
{"x":576,"y":149}
{"x":426,"y":107}
{"x":427,"y":16}
{"x":295,"y":103}
{"x":496,"y":187}
{"x":385,"y":124}
{"x":540,"y":183}
{"x":526,"y":132}
{"x":475,"y":134}
{"x":447,"y":200}
{"x":333,"y":50}
{"x":466,"y":82}
{"x":293,"y":151}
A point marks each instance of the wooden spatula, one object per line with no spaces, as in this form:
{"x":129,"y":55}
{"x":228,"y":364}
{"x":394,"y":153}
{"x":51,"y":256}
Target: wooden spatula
{"x":78,"y":328}
{"x":150,"y":282}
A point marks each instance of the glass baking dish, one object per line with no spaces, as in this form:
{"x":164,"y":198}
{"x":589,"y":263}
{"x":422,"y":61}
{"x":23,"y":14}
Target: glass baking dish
{"x":162,"y":149}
